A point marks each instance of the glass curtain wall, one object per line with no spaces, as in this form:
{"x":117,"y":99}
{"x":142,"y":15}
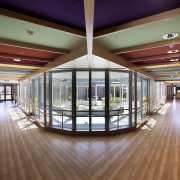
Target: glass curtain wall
{"x":119,"y":100}
{"x":95,"y":100}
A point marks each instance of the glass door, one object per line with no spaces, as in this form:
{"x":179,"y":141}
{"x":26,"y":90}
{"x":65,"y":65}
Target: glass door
{"x":2,"y":93}
{"x":8,"y":93}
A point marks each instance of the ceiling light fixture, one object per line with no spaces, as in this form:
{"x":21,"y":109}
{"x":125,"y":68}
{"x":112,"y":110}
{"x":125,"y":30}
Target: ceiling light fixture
{"x":170,"y":35}
{"x":171,"y":45}
{"x":173,"y":51}
{"x":30,"y":33}
{"x":16,"y":60}
{"x":174,"y":60}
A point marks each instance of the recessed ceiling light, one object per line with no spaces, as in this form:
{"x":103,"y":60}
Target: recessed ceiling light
{"x":174,"y":60}
{"x":30,"y":33}
{"x":173,"y":51}
{"x":16,"y":60}
{"x":171,"y":45}
{"x":170,"y":35}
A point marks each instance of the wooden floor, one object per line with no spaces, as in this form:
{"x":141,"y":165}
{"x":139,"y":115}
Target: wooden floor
{"x":27,"y":152}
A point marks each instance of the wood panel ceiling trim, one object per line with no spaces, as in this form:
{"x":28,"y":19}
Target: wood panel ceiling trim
{"x":159,"y":64}
{"x":40,"y":22}
{"x":32,"y":46}
{"x":160,"y":67}
{"x":147,"y":46}
{"x":140,"y":22}
{"x":25,"y":58}
{"x":154,"y":57}
{"x":20,"y":64}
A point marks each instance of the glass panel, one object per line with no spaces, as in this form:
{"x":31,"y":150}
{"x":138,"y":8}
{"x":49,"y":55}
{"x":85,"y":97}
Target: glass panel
{"x":119,"y":99}
{"x":62,"y":99}
{"x":82,"y":100}
{"x":145,"y":97}
{"x":1,"y":93}
{"x":8,"y":92}
{"x":133,"y":99}
{"x":41,"y":98}
{"x":98,"y":100}
{"x":36,"y":105}
{"x":47,"y":98}
{"x":31,"y":97}
{"x":139,"y":98}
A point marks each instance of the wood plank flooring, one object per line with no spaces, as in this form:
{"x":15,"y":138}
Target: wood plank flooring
{"x":151,"y":153}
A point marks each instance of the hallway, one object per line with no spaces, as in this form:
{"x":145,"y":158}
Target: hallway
{"x":27,"y":152}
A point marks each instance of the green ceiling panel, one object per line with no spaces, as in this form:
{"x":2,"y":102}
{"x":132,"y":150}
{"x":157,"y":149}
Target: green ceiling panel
{"x":17,"y":31}
{"x":141,"y":35}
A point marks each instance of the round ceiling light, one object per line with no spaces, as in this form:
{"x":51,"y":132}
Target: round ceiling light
{"x":17,"y":60}
{"x":174,"y":60}
{"x":173,"y":51}
{"x":170,"y":35}
{"x":30,"y":33}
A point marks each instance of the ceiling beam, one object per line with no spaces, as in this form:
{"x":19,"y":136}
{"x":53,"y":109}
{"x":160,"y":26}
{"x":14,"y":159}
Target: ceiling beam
{"x":159,"y":64}
{"x":17,"y":68}
{"x":100,"y":51}
{"x":78,"y":52}
{"x":40,"y":22}
{"x":25,"y":58}
{"x":160,"y":67}
{"x":20,"y":64}
{"x":155,"y":57}
{"x":166,"y":72}
{"x":140,"y":22}
{"x":147,"y":46}
{"x":89,"y":18}
{"x":32,"y":46}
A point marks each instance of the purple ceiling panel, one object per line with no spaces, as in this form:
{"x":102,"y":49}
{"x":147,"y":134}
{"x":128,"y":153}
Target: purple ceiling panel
{"x":109,"y":13}
{"x":66,"y":12}
{"x":155,"y":61}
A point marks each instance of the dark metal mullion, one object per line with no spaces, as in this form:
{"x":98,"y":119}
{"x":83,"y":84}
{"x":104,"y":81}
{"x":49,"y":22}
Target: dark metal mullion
{"x":73,"y":100}
{"x":50,"y":98}
{"x":5,"y":92}
{"x":107,"y":100}
{"x":45,"y":99}
{"x":130,"y":98}
{"x":39,"y":97}
{"x":141,"y":97}
{"x":148,"y":95}
{"x":135,"y":86}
